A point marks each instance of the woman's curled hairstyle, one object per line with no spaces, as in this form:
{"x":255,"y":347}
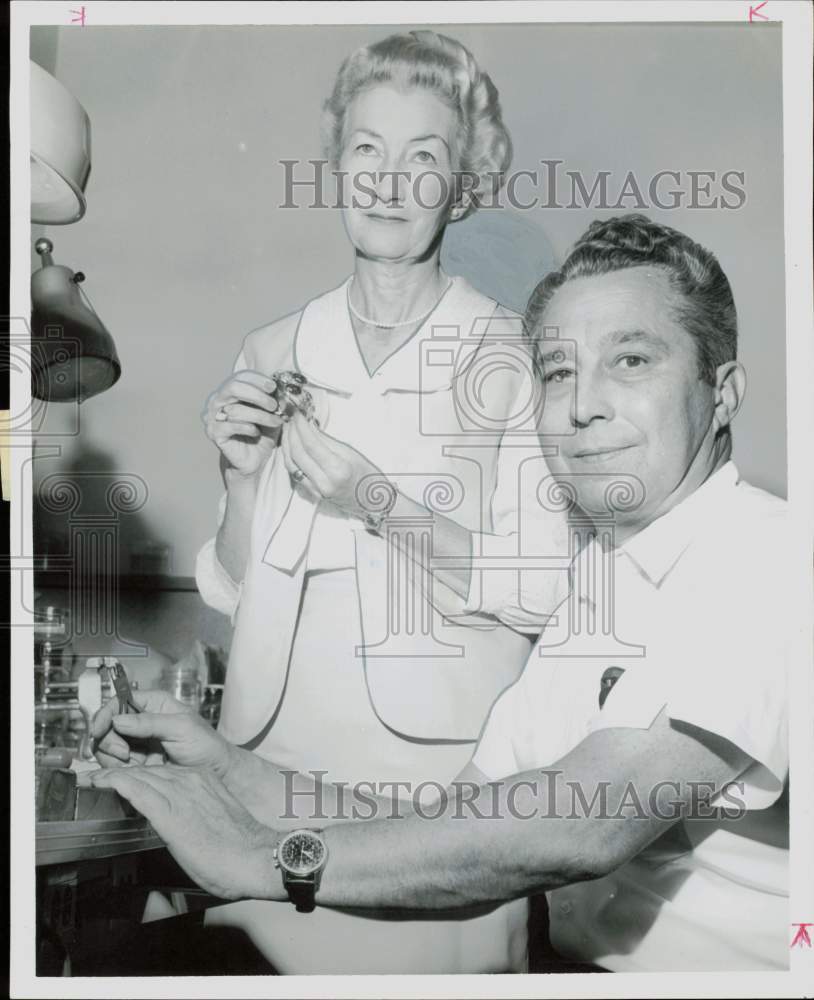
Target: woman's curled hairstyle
{"x":442,"y":66}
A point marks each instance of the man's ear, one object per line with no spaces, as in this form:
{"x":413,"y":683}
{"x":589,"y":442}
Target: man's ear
{"x":730,"y":388}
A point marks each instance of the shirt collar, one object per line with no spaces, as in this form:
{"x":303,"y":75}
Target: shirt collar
{"x":657,"y":548}
{"x":335,"y":362}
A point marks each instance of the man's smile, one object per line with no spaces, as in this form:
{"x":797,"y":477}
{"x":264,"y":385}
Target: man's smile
{"x":600,"y":454}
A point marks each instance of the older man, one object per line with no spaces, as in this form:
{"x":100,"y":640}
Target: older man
{"x":635,"y":770}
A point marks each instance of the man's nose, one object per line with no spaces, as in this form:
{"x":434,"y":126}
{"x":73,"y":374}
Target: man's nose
{"x":590,"y":401}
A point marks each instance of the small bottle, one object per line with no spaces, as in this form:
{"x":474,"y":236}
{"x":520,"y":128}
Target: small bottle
{"x":183,"y":684}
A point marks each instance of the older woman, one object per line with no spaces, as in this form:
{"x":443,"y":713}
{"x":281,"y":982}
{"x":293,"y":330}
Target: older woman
{"x":366,"y":647}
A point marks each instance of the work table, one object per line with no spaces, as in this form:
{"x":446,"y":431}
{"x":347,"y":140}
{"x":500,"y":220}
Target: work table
{"x":97,"y":862}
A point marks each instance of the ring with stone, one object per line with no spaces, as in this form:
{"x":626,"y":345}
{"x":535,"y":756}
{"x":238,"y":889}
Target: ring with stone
{"x":298,"y":475}
{"x":222,"y":415}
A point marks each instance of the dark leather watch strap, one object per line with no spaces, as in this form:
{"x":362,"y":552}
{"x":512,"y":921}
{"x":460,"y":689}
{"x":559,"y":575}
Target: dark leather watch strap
{"x":301,"y":892}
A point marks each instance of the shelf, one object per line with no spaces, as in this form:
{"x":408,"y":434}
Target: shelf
{"x":85,"y":839}
{"x":56,"y":579}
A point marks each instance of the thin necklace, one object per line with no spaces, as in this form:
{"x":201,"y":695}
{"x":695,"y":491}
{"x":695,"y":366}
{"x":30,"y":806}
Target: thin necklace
{"x":404,"y":322}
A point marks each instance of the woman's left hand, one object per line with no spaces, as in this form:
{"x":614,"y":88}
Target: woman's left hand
{"x":332,"y":468}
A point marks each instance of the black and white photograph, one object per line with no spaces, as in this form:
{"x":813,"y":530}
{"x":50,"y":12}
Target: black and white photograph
{"x":411,"y":499}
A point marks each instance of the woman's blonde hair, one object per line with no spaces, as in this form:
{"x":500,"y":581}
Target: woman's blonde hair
{"x":442,"y":66}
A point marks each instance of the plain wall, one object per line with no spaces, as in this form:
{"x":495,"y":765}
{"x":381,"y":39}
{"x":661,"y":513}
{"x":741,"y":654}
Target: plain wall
{"x":185,"y":249}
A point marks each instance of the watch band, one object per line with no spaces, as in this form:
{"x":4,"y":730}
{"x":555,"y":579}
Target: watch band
{"x":301,"y":892}
{"x":302,"y":887}
{"x":373,"y":520}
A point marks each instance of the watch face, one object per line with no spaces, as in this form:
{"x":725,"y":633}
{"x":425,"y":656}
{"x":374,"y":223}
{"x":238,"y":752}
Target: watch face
{"x":301,"y":852}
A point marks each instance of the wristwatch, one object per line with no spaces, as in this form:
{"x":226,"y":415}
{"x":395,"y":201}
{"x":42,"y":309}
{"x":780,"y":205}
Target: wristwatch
{"x":301,"y":856}
{"x":374,"y":519}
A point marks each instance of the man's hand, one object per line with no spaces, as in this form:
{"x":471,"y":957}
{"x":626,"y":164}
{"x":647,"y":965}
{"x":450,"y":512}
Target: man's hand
{"x":164,"y":729}
{"x":208,"y":832}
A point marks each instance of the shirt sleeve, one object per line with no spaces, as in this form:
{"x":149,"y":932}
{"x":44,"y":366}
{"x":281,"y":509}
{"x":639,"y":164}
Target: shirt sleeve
{"x":215,"y":585}
{"x":520,"y":569}
{"x":494,"y":755}
{"x":726,"y":673}
{"x":520,"y":574}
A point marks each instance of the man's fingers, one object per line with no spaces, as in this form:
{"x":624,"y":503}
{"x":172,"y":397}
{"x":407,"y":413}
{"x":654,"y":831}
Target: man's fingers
{"x":155,"y":725}
{"x":155,"y":700}
{"x":136,"y":760}
{"x":109,"y":760}
{"x":112,"y":746}
{"x":102,"y":720}
{"x":112,"y":749}
{"x":134,"y":784}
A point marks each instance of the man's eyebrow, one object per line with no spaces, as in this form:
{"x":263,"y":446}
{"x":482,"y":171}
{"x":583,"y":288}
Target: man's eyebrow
{"x":556,"y":354}
{"x":628,"y":336}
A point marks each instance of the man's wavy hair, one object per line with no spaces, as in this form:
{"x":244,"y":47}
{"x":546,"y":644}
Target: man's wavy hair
{"x":703,"y":304}
{"x":442,"y":66}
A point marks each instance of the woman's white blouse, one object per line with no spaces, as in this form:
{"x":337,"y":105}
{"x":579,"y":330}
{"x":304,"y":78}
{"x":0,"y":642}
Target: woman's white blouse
{"x":450,"y":418}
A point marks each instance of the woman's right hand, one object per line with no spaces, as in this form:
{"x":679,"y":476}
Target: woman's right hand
{"x":246,"y":436}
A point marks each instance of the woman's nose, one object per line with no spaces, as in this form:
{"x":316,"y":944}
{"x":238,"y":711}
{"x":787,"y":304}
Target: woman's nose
{"x":389,"y":183}
{"x":590,"y":401}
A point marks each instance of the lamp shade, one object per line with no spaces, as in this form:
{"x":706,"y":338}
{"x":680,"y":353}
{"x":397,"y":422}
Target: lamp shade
{"x":60,"y":151}
{"x":73,"y":357}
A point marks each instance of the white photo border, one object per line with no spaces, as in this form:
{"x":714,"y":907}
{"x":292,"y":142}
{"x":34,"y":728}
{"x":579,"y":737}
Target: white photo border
{"x":796,"y":19}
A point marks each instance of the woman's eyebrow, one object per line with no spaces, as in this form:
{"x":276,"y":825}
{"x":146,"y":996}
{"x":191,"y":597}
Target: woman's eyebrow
{"x":432,"y":135}
{"x":367,"y":131}
{"x":417,"y":138}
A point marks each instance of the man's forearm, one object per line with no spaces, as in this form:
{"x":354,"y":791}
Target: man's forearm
{"x":483,"y":846}
{"x":535,"y":830}
{"x":460,"y":859}
{"x":285,"y":799}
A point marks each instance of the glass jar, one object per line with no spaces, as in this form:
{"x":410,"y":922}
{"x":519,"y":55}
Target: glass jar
{"x":52,"y":645}
{"x":183,"y":684}
{"x":50,"y":727}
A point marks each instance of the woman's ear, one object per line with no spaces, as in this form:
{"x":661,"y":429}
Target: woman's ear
{"x":459,"y":209}
{"x":730,"y":388}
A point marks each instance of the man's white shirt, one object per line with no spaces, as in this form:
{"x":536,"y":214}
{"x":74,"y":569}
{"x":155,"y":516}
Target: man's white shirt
{"x":693,"y":610}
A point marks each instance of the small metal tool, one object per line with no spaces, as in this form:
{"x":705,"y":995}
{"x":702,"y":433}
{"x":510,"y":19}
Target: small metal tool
{"x":121,"y":685}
